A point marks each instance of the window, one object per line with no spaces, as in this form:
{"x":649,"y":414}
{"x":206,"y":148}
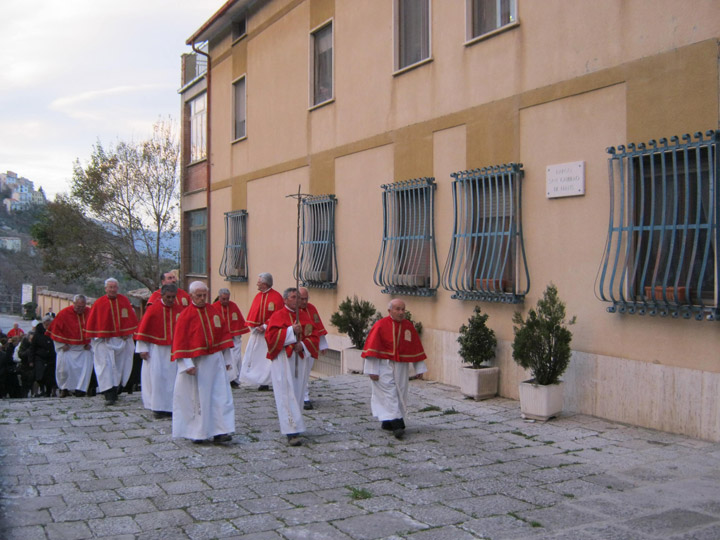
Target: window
{"x":661,"y":254}
{"x":239,"y":28}
{"x":485,"y":16}
{"x":197,"y":228}
{"x":412,"y":32}
{"x":322,"y":65}
{"x":198,"y":128}
{"x":234,"y":266}
{"x":408,"y":263}
{"x":318,"y":261}
{"x":487,"y":250}
{"x":239,"y":107}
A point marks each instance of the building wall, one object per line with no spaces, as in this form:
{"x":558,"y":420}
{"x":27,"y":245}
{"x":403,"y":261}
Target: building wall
{"x":572,"y":79}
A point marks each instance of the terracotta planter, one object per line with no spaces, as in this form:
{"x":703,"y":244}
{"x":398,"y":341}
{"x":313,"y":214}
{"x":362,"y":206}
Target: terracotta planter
{"x":677,"y":295}
{"x":479,"y":383}
{"x":492,"y":285}
{"x":541,"y":402}
{"x":351,"y":361}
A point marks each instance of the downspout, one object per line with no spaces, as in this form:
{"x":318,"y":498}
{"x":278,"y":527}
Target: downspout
{"x":207,"y":149}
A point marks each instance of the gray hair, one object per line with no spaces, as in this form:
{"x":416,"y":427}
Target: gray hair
{"x":169,"y":288}
{"x":288,"y":291}
{"x":224,"y":290}
{"x":195,"y":285}
{"x":111,"y":280}
{"x":266,"y":277}
{"x":46,"y":319}
{"x":79,"y":297}
{"x":390,"y":303}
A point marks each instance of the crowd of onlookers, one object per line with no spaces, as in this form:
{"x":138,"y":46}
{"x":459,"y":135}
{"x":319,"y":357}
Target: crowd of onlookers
{"x":27,"y":361}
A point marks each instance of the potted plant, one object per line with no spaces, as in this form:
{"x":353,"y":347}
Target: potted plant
{"x":354,"y":318}
{"x":542,"y":345}
{"x":477,"y":346}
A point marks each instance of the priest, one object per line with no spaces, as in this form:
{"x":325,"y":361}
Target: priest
{"x":111,"y":325}
{"x":233,"y":317}
{"x":256,"y":366}
{"x":391,"y":347}
{"x":202,"y":401}
{"x":182,"y":298}
{"x":292,"y":344}
{"x":153,"y":342}
{"x":312,"y":312}
{"x":74,"y":365}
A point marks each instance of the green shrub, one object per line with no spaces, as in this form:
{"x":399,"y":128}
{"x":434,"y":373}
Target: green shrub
{"x":354,"y":318}
{"x":477,"y":341}
{"x":542,"y":341}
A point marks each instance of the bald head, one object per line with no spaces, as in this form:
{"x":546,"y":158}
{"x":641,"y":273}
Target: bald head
{"x":396,"y":309}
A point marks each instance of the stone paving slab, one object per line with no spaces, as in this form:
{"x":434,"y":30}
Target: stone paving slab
{"x":75,"y":468}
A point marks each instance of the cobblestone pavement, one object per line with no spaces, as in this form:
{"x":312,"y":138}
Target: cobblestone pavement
{"x":74,"y":468}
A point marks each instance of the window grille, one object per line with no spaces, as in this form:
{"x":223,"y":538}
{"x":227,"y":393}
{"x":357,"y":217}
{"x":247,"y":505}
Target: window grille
{"x":408,"y":261}
{"x":234,"y":265}
{"x":487,"y":252}
{"x":661,"y":254}
{"x":318,"y":261}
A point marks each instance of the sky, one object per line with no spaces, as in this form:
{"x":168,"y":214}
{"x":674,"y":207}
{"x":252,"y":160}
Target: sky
{"x":75,"y":72}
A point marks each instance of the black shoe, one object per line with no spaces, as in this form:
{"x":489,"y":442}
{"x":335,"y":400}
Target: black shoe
{"x":387,"y":425}
{"x":264,"y":388}
{"x":199,"y":441}
{"x":110,"y":395}
{"x":308,"y":406}
{"x":398,"y":433}
{"x":222,"y":438}
{"x":293,"y":439}
{"x":158,"y":414}
{"x":233,"y":384}
{"x":79,"y":393}
{"x":64,"y":393}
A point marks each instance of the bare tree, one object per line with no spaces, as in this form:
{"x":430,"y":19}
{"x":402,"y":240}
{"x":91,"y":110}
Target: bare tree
{"x":131,"y":192}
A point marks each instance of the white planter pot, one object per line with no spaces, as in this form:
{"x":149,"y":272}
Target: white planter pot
{"x":352,"y":362}
{"x":479,"y":383}
{"x":541,"y":402}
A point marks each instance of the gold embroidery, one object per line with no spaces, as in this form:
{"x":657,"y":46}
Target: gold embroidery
{"x":184,"y":302}
{"x":308,"y":329}
{"x":234,"y":317}
{"x":408,"y":336}
{"x":216,"y":321}
{"x":316,"y":318}
{"x":124,"y":313}
{"x":271,"y":306}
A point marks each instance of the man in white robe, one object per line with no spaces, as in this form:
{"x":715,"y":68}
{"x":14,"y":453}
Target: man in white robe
{"x":202,"y":399}
{"x":74,"y":365}
{"x":391,"y":346}
{"x":292,"y":343}
{"x":153,"y":344}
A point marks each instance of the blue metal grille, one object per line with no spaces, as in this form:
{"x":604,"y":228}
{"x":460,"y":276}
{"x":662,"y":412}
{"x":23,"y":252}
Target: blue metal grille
{"x":487,"y":251}
{"x":233,"y":265}
{"x":318,"y":260}
{"x":408,"y":261}
{"x":661,"y":254}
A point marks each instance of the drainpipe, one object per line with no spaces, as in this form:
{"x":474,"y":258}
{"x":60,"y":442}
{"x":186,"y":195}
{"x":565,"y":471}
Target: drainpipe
{"x":207,"y":149}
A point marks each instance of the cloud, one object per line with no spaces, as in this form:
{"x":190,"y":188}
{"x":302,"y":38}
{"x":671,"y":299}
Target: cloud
{"x":80,"y":105}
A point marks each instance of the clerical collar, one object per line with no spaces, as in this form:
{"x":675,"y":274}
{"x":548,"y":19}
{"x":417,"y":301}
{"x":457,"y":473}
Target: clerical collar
{"x":290,"y":310}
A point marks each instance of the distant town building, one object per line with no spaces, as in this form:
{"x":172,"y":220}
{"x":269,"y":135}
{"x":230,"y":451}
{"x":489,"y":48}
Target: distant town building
{"x":22,"y":192}
{"x":11,"y":243}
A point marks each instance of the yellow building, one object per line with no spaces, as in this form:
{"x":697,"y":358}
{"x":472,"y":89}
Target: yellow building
{"x":473,"y":151}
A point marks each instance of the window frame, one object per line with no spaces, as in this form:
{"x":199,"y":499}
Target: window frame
{"x":194,"y":157}
{"x":318,"y":253}
{"x":486,"y":260}
{"x":196,"y":254}
{"x":408,"y":242}
{"x":469,"y":20}
{"x":634,"y":278}
{"x":232,"y":244}
{"x":239,"y":28}
{"x":398,"y":46}
{"x":312,"y":103}
{"x":235,"y":138}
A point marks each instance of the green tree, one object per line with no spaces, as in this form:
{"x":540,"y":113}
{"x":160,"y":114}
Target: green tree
{"x":354,"y":318}
{"x":126,"y":198}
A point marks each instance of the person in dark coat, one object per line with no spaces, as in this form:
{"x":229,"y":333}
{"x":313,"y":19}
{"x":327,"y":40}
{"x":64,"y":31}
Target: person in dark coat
{"x":9,"y":384}
{"x":42,"y":356}
{"x":27,"y":373}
